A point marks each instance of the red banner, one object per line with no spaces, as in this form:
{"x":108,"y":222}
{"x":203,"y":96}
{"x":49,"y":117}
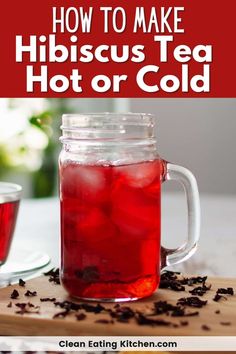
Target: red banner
{"x":168,"y":48}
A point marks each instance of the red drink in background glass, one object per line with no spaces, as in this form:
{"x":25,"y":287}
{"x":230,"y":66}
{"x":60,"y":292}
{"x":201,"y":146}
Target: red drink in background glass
{"x":110,"y":225}
{"x":8,"y":213}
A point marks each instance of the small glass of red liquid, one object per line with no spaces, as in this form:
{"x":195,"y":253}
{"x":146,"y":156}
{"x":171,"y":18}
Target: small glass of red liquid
{"x":110,"y":192}
{"x":9,"y":204}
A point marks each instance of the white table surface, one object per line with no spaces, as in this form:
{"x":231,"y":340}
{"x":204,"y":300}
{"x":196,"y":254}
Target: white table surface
{"x":38,"y":229}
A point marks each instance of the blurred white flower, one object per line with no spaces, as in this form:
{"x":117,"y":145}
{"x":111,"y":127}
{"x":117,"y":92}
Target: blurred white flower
{"x":12,"y":121}
{"x":26,"y":149}
{"x":35,"y":138}
{"x":30,"y":106}
{"x":21,"y":143}
{"x":15,"y":114}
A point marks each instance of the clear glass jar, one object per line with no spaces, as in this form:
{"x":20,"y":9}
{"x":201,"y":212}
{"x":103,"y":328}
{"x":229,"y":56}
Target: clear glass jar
{"x":110,"y":188}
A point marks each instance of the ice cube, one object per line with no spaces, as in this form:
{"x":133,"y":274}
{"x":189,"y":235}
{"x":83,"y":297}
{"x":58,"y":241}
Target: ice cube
{"x":139,"y":175}
{"x":88,"y":184}
{"x":134,"y":213}
{"x":94,"y":226}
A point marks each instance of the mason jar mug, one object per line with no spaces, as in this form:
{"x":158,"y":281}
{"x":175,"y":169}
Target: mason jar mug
{"x":110,"y":193}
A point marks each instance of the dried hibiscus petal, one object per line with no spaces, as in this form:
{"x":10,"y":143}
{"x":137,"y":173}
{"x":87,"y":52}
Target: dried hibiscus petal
{"x":31,"y":293}
{"x":192,"y":301}
{"x":15,"y":294}
{"x":21,"y":282}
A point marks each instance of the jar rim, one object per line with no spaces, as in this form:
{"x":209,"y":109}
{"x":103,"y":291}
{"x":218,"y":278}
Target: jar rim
{"x":104,"y":114}
{"x":78,"y":120}
{"x":9,"y":192}
{"x":113,"y":126}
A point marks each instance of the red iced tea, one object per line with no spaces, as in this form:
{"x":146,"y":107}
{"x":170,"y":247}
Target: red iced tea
{"x":8,"y":212}
{"x":110,"y":225}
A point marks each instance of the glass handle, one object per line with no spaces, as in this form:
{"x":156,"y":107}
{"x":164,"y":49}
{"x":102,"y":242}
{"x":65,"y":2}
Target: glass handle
{"x":170,"y":257}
